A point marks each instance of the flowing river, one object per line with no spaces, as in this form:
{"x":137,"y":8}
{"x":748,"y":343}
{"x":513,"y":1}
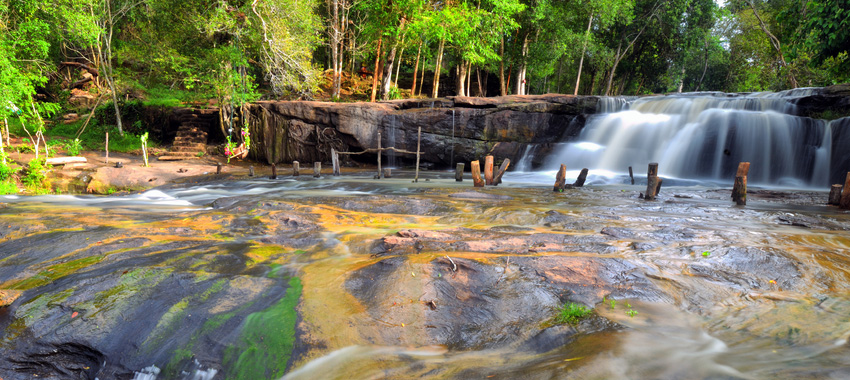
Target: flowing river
{"x":353,"y":278}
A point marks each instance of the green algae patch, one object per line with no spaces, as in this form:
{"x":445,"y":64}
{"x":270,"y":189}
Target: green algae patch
{"x":267,"y":338}
{"x":56,"y":271}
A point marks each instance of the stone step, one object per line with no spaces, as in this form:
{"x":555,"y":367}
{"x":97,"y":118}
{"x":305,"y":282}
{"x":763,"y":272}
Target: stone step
{"x":182,"y":154}
{"x":192,"y":146}
{"x":186,"y":150}
{"x":185,"y":128}
{"x":193,"y":135}
{"x":189,"y":139}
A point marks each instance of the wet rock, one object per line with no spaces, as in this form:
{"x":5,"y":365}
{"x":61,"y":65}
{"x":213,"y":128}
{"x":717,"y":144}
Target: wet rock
{"x":805,"y":221}
{"x":480,"y":196}
{"x":396,"y":205}
{"x":7,"y":296}
{"x":480,"y":307}
{"x":491,"y":241}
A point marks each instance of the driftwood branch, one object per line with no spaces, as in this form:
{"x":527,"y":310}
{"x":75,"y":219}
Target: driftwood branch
{"x":91,"y":70}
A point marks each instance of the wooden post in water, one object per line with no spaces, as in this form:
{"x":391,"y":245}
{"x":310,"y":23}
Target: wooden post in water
{"x":502,"y":170}
{"x":651,"y":181}
{"x":459,"y":172}
{"x":631,"y":175}
{"x":845,"y":194}
{"x":561,"y":179}
{"x":335,"y":161}
{"x":379,"y":153}
{"x":739,"y":190}
{"x":388,"y":172}
{"x":296,"y":169}
{"x":218,"y":168}
{"x":476,"y":174}
{"x":418,"y":144}
{"x":251,"y":171}
{"x":274,"y":172}
{"x":834,"y":195}
{"x":317,"y":169}
{"x":581,"y":178}
{"x":488,"y":170}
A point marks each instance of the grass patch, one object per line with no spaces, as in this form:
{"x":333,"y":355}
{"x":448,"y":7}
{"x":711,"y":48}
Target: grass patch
{"x":572,"y":313}
{"x":56,"y":271}
{"x":265,"y":346}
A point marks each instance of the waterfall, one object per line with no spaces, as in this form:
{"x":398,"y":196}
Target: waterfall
{"x":704,"y":136}
{"x":524,"y":164}
{"x":391,"y":142}
{"x":452,"y":154}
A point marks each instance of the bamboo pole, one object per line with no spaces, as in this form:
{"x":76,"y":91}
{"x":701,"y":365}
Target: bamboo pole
{"x":335,"y":161}
{"x":379,"y":155}
{"x":418,"y":148}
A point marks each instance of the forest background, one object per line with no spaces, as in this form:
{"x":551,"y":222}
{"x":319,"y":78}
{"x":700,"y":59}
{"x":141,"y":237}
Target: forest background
{"x":169,"y":52}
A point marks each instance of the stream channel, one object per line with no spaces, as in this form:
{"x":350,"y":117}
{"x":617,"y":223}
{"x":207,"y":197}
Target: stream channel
{"x":354,"y":278}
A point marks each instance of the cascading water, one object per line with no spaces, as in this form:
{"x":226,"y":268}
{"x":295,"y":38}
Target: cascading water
{"x":705,"y":136}
{"x":391,"y":142}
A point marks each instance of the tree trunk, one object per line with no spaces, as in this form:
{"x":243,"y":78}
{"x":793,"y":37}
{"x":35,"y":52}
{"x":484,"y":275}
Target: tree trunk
{"x":388,"y":73}
{"x":375,"y":73}
{"x":335,"y":48}
{"x":503,"y":90}
{"x":776,"y":45}
{"x":422,"y":79}
{"x":521,"y":70}
{"x":481,"y":88}
{"x":436,"y":89}
{"x":583,"y":50}
{"x":461,"y":78}
{"x":469,"y":79}
{"x":613,"y":69}
{"x":704,"y":66}
{"x":416,"y":70}
{"x":681,"y":80}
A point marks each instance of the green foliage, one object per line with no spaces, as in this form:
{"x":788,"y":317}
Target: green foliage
{"x":572,"y":313}
{"x":35,"y":179}
{"x":394,"y":93}
{"x":73,"y":147}
{"x":631,"y":313}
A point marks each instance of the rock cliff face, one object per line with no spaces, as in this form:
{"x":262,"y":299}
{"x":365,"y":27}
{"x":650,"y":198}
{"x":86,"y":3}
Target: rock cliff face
{"x":454,"y":129}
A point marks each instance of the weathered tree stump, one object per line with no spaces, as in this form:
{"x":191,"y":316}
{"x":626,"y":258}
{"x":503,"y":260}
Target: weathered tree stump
{"x":658,"y":186}
{"x":335,"y":161}
{"x":317,"y":169}
{"x":651,"y":181}
{"x":274,"y":172}
{"x":218,"y":168}
{"x":631,"y":175}
{"x":459,"y":172}
{"x":835,"y":195}
{"x":488,"y":170}
{"x":476,"y":174}
{"x":582,"y":177}
{"x":502,"y":169}
{"x":561,"y":179}
{"x":251,"y":171}
{"x":739,"y":190}
{"x":388,"y":173}
{"x":845,"y":194}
